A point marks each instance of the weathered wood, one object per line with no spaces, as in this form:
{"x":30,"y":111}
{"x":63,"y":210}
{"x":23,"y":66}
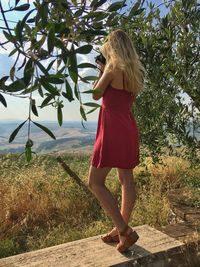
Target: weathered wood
{"x":78,"y":181}
{"x":184,"y":212}
{"x":185,"y":232}
{"x":153,"y":249}
{"x":73,"y":175}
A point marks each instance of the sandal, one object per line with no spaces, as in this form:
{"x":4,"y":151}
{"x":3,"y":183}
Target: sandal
{"x":108,"y":238}
{"x":131,"y":238}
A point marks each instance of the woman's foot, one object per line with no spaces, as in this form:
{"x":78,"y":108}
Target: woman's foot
{"x":127,"y":238}
{"x":112,"y":236}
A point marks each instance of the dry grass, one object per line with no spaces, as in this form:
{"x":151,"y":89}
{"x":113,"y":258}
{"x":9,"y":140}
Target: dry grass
{"x":41,"y":206}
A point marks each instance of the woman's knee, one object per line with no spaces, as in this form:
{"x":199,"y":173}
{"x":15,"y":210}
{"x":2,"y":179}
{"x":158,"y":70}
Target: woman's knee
{"x":89,"y":184}
{"x":125,"y":175}
{"x":92,"y":183}
{"x":97,"y":177}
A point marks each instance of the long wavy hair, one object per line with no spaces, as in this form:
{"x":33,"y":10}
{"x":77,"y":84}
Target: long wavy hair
{"x":119,"y":51}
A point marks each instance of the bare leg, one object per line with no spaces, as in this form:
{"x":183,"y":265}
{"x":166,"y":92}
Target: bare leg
{"x":128,"y":192}
{"x":96,"y":184}
{"x":128,"y":195}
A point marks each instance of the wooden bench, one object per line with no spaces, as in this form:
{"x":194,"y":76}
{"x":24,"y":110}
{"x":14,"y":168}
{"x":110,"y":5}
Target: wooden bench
{"x":153,"y":249}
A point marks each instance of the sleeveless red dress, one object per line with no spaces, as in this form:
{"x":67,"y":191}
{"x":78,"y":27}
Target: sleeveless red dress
{"x":117,"y":137}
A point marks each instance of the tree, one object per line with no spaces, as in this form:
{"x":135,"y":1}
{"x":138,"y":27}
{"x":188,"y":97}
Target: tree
{"x":170,"y":50}
{"x":168,"y":46}
{"x":53,"y":30}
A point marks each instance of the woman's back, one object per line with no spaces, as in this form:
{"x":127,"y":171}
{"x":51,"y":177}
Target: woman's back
{"x":118,"y":81}
{"x":116,"y":97}
{"x":117,"y":100}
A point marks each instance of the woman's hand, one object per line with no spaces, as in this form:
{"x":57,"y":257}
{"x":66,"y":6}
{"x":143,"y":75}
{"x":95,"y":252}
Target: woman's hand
{"x":101,"y":70}
{"x":101,"y":66}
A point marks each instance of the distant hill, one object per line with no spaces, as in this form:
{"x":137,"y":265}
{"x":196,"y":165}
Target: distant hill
{"x":71,"y":136}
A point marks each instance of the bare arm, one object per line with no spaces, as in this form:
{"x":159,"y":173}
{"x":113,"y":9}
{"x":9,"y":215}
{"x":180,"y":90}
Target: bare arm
{"x":101,"y":84}
{"x":95,"y":82}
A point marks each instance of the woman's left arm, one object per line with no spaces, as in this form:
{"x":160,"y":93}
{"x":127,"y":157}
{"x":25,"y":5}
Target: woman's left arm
{"x":100,"y":74}
{"x":101,"y":84}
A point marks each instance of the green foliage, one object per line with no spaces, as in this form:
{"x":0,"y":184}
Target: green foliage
{"x":8,"y":248}
{"x":45,"y":129}
{"x":169,"y":49}
{"x":192,"y":181}
{"x":168,"y":46}
{"x":3,"y":101}
{"x":48,"y":26}
{"x":117,"y":5}
{"x":15,"y":132}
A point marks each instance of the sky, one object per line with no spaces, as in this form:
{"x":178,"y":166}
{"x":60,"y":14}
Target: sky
{"x":18,"y":108}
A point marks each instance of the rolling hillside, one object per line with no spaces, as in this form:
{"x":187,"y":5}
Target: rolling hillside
{"x":70,"y":137}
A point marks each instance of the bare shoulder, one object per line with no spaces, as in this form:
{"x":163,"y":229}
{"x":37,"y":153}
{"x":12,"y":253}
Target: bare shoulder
{"x":117,"y":71}
{"x":113,"y":71}
{"x":109,"y":72}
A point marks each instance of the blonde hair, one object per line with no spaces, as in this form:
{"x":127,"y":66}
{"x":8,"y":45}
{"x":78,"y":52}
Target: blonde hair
{"x":120,"y":52}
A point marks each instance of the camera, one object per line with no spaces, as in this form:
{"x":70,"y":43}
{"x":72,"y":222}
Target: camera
{"x":100,"y":58}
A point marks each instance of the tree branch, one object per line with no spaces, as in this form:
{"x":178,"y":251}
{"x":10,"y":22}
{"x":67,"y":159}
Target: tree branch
{"x":9,"y":30}
{"x":16,"y":95}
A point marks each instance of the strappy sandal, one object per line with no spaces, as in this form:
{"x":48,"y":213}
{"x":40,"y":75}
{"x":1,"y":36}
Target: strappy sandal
{"x":131,"y":238}
{"x":110,"y":239}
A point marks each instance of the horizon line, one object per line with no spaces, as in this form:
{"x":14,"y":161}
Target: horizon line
{"x":55,"y":121}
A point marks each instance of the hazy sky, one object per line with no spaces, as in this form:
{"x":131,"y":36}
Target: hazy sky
{"x":18,"y":108}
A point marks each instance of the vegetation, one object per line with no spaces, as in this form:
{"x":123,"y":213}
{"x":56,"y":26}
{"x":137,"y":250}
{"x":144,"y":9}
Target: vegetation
{"x":42,"y":206}
{"x":168,"y":45}
{"x":52,"y":31}
{"x":169,"y":48}
{"x":191,"y":197}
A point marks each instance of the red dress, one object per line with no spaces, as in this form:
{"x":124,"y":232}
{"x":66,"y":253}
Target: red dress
{"x":117,"y":137}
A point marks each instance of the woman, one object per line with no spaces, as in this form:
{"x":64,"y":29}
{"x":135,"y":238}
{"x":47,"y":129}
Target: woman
{"x":117,"y":137}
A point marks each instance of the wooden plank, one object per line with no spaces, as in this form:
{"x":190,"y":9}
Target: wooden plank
{"x":152,"y":245}
{"x":185,"y":232}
